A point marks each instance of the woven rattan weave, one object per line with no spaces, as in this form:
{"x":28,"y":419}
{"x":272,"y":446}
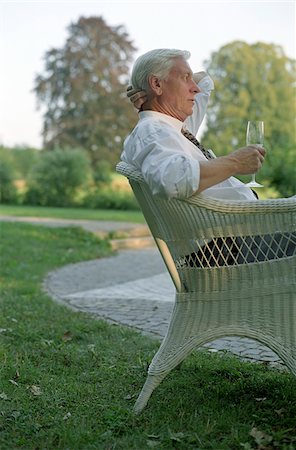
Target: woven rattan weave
{"x":222,"y":290}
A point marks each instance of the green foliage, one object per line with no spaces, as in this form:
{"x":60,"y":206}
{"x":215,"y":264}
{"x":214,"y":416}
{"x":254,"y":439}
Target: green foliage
{"x":254,"y":82}
{"x":57,"y":176}
{"x":60,"y":178}
{"x":22,"y":159}
{"x":8,"y":192}
{"x":108,"y":198}
{"x":83,"y":90}
{"x":102,"y":173}
{"x":280,"y":170}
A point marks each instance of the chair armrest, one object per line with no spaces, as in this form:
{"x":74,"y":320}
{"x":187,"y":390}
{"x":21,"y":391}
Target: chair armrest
{"x":239,"y":218}
{"x":244,"y":207}
{"x":209,"y":217}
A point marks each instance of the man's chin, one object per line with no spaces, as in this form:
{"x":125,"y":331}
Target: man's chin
{"x":190,"y":111}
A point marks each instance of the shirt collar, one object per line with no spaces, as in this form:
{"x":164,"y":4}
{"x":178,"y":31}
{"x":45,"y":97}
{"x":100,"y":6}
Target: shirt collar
{"x":176,"y":123}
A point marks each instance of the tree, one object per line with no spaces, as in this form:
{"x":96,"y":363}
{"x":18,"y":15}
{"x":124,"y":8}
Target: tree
{"x":254,"y":82}
{"x":83,"y":90}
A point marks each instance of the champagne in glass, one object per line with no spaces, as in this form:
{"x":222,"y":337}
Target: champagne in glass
{"x":255,"y":136}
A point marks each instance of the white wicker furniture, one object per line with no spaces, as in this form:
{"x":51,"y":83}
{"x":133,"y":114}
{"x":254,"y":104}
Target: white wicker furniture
{"x":251,"y":299}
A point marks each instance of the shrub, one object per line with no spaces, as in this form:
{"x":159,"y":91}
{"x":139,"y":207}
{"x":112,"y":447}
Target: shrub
{"x":25,"y":158}
{"x":281,"y":171}
{"x":8,"y":192}
{"x":107,"y":198}
{"x":57,"y":176}
{"x":102,"y":174}
{"x":22,"y":158}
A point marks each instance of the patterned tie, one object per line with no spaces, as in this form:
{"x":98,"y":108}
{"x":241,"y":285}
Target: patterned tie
{"x":193,"y":139}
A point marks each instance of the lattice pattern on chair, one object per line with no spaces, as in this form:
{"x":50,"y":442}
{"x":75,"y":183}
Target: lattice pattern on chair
{"x":232,"y":251}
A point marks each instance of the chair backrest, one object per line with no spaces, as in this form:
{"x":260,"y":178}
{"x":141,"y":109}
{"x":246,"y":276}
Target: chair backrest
{"x":153,"y":210}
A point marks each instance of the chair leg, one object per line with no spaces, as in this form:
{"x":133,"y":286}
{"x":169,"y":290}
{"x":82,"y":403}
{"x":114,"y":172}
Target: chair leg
{"x":159,"y":368}
{"x":151,"y":383}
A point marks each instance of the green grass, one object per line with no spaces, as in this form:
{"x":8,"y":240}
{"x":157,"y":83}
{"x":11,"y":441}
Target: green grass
{"x":69,"y":380}
{"x":72,"y":213}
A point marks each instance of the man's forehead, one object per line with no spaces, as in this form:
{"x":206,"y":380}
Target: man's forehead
{"x":181,"y":67}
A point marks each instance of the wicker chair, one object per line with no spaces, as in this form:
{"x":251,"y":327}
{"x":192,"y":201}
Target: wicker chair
{"x":216,"y":298}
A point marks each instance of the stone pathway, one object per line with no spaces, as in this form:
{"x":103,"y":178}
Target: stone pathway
{"x":134,"y":289}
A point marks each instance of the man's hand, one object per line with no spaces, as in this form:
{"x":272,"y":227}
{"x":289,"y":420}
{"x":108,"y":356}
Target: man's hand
{"x":248,"y":159}
{"x":244,"y":161}
{"x":136,"y":96}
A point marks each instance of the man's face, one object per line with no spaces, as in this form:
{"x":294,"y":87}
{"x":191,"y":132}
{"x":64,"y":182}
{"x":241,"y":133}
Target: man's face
{"x":178,"y":91}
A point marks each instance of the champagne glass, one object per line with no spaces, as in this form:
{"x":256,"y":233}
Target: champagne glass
{"x":255,"y":136}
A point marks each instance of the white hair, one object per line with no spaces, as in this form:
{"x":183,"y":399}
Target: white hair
{"x":156,"y":62}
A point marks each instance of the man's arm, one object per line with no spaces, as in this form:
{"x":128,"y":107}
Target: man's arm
{"x":243,"y":161}
{"x":206,"y":86}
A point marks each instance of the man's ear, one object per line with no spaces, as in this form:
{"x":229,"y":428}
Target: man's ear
{"x":155,"y":84}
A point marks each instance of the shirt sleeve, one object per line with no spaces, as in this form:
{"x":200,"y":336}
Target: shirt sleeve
{"x":194,"y":121}
{"x":171,"y":177}
{"x":167,"y":170}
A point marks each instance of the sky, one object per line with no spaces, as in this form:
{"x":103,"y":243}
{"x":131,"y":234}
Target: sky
{"x":28,"y":29}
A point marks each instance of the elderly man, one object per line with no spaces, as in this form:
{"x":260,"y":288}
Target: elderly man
{"x":171,"y":164}
{"x":173,"y":101}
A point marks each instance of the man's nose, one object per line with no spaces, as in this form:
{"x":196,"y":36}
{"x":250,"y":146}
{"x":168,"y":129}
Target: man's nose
{"x":195,"y":88}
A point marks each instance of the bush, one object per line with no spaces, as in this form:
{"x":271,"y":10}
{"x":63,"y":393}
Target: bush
{"x":22,"y":158}
{"x":8,"y":192}
{"x":281,"y":172}
{"x":102,"y":173}
{"x":57,"y":176}
{"x":107,"y":198}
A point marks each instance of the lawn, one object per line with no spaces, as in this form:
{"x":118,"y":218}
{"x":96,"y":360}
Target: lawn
{"x":72,"y":213}
{"x":69,"y":380}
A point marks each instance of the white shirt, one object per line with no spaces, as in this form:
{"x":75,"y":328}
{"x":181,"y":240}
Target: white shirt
{"x":169,"y":162}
